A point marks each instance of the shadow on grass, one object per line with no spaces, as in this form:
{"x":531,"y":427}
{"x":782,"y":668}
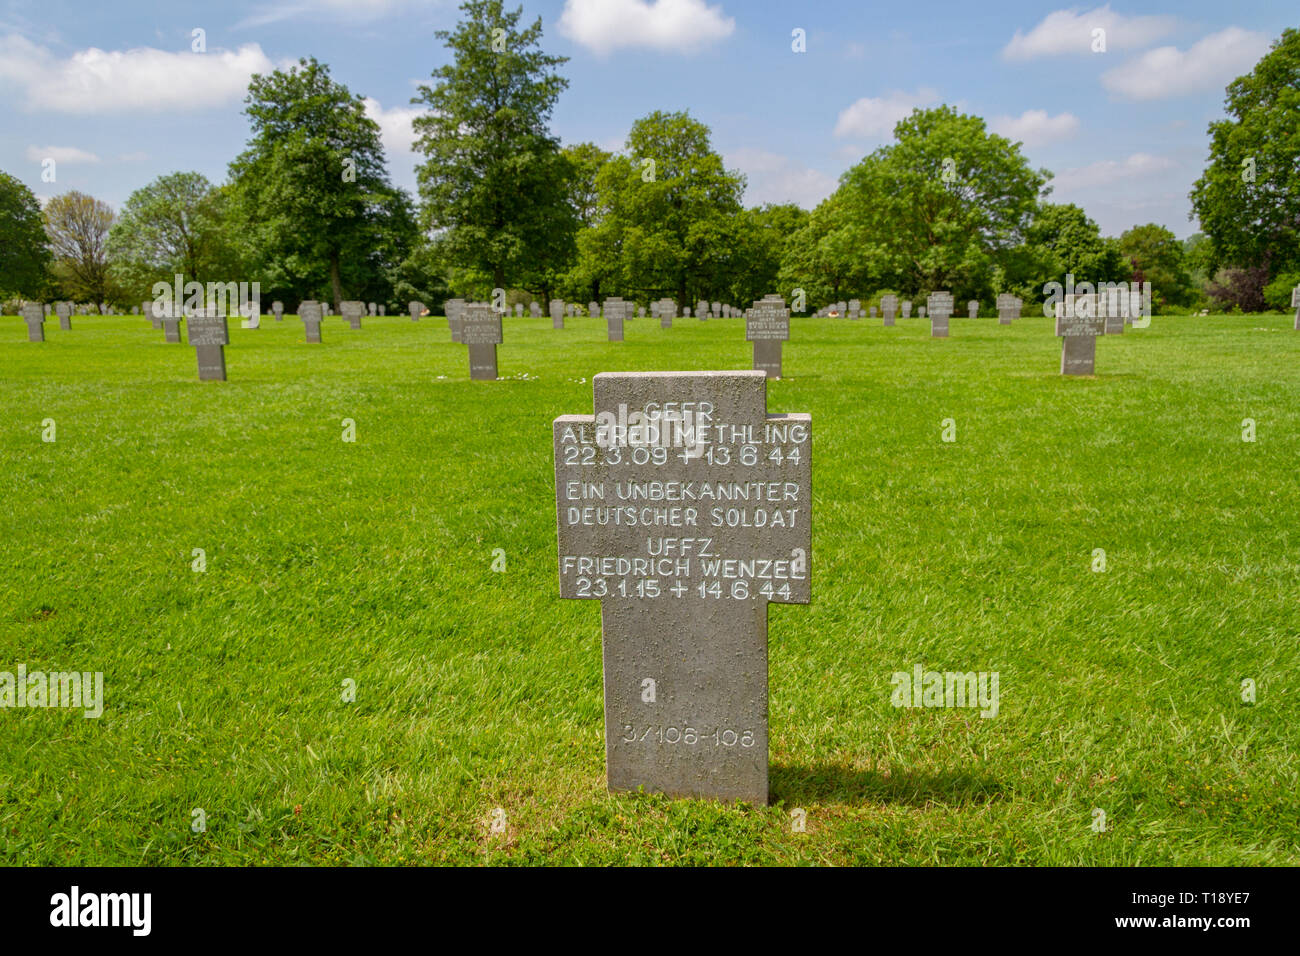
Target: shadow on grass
{"x":830,"y":784}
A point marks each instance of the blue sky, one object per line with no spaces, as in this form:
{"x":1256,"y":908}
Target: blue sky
{"x":113,"y":93}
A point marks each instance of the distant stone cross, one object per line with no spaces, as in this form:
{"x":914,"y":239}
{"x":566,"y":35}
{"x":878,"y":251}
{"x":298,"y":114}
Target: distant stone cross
{"x":615,"y":312}
{"x":277,"y":309}
{"x":311,"y":312}
{"x":889,"y":306}
{"x":1295,"y":304}
{"x":685,"y":508}
{"x":940,"y":306}
{"x":415,"y":309}
{"x":209,"y":334}
{"x":352,"y":312}
{"x":34,"y":315}
{"x":1008,"y":308}
{"x":481,"y":331}
{"x":767,"y":325}
{"x":1078,"y":327}
{"x":973,"y":309}
{"x":557,"y":313}
{"x":64,"y":311}
{"x":455,"y":310}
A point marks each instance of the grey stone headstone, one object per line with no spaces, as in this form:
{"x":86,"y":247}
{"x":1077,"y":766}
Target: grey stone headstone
{"x":519,"y":310}
{"x":889,"y":308}
{"x":640,"y":312}
{"x":534,"y":310}
{"x":920,"y":312}
{"x":383,"y":309}
{"x":767,"y":325}
{"x":455,"y":311}
{"x":1078,"y":329}
{"x":907,"y":309}
{"x":209,"y":334}
{"x":415,"y":310}
{"x":481,"y":331}
{"x":311,"y":312}
{"x":593,"y":309}
{"x":64,"y":311}
{"x":277,"y":309}
{"x":557,"y":313}
{"x":716,"y":310}
{"x":686,"y":312}
{"x":352,"y":312}
{"x":1295,"y":304}
{"x":973,"y":309}
{"x":1007,"y":309}
{"x":615,"y":312}
{"x":34,"y":316}
{"x":872,"y":312}
{"x":1112,"y":303}
{"x":372,"y":309}
{"x":940,"y":306}
{"x":685,"y":588}
{"x":667,"y":312}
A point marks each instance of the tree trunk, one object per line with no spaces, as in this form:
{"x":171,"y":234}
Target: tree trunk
{"x":336,"y":283}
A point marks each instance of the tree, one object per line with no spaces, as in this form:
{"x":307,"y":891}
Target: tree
{"x":1248,"y":199}
{"x":944,"y":205}
{"x":821,"y":256}
{"x":1157,"y":257}
{"x":24,"y":246}
{"x":311,"y":190}
{"x":78,"y":227}
{"x":494,"y":178}
{"x":668,"y":214}
{"x":175,"y":225}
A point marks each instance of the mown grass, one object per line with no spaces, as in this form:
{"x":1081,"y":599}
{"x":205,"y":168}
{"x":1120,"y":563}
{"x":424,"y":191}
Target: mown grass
{"x":477,"y":690}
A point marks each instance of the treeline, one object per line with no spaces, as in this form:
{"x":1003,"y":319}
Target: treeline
{"x":308,"y":209}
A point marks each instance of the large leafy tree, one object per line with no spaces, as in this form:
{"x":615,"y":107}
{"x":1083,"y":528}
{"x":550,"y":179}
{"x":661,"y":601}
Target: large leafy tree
{"x":494,"y":180}
{"x":311,"y":190}
{"x":1157,"y":257}
{"x":78,"y":226}
{"x":943,"y":205}
{"x":24,"y":246}
{"x":1248,"y":199}
{"x":174,"y":225}
{"x":669,"y":214}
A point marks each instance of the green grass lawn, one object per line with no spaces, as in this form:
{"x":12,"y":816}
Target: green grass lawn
{"x":475,"y":690}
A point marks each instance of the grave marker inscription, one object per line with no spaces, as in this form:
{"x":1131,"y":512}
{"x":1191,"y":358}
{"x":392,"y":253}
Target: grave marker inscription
{"x":940,"y":306}
{"x":209,"y":334}
{"x":1078,"y":329}
{"x":311,"y":312}
{"x":685,"y":507}
{"x":481,"y":332}
{"x":767,"y":325}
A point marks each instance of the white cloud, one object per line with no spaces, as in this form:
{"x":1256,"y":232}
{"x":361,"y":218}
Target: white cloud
{"x":1109,"y":172}
{"x":115,"y":81}
{"x":1035,"y":127}
{"x":1069,"y":31}
{"x":778,"y":179}
{"x":60,"y":154}
{"x":681,"y":26}
{"x":1209,"y":64}
{"x":394,"y":125}
{"x":874,"y":118}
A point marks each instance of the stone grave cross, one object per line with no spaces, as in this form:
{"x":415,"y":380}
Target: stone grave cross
{"x":685,"y":508}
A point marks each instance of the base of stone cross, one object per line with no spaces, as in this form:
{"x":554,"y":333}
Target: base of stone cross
{"x":939,"y":327}
{"x":36,"y":332}
{"x":615,"y":335}
{"x":889,"y":320}
{"x":705,"y":733}
{"x":1002,"y":321}
{"x":557,"y":323}
{"x":665,"y":323}
{"x":65,"y":323}
{"x":172,"y":331}
{"x":1114,"y":325}
{"x":1078,"y":355}
{"x":482,"y":363}
{"x":1297,"y":320}
{"x":212,"y":363}
{"x":355,"y":324}
{"x":767,"y":357}
{"x":313,"y":332}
